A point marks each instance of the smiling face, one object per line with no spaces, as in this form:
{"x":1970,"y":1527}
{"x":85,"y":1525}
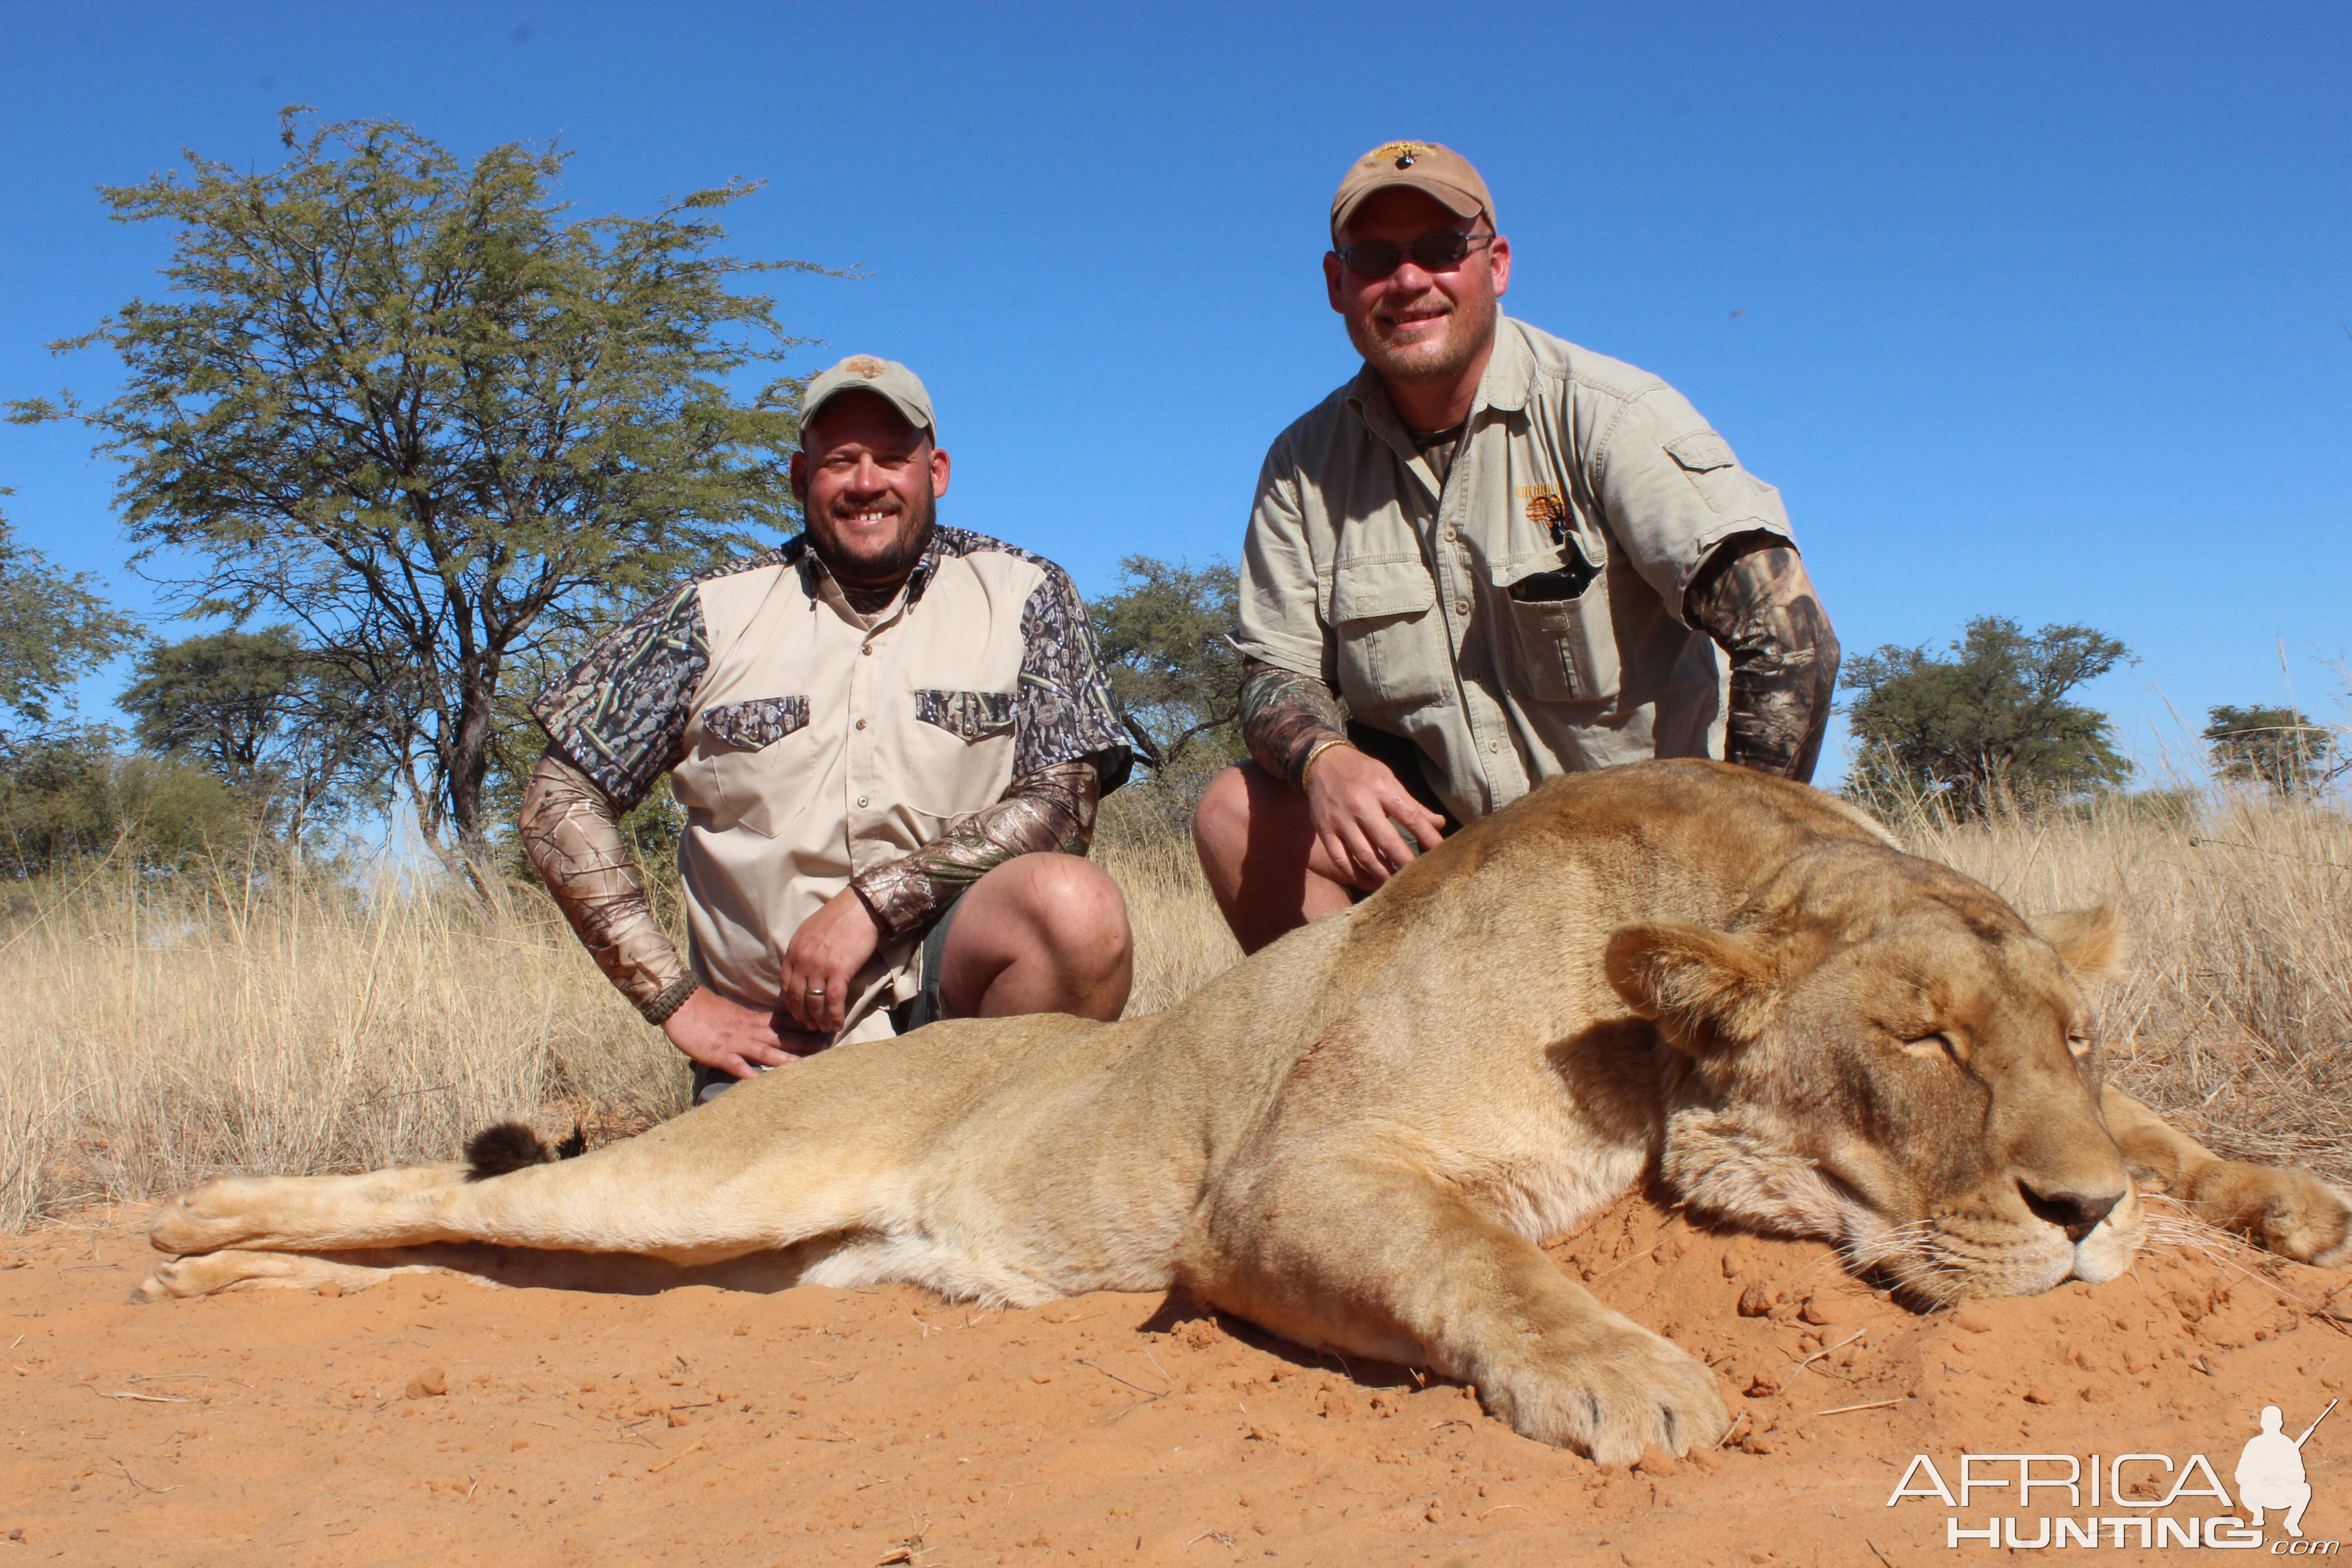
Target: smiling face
{"x":1416,"y":326}
{"x":868,"y":482}
{"x":1914,"y":1079}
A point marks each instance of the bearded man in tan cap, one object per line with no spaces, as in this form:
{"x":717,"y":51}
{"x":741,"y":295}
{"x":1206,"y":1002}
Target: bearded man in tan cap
{"x":879,"y":728}
{"x":1510,"y":556}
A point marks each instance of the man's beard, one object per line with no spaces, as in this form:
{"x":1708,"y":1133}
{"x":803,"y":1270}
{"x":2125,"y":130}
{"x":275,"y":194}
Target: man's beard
{"x":1468,"y":330}
{"x":889,"y":568}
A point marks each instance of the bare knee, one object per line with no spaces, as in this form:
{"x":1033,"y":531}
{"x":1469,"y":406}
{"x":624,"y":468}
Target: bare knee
{"x":1220,"y":821}
{"x":1247,"y":820}
{"x":1041,"y":934}
{"x":1077,"y":910}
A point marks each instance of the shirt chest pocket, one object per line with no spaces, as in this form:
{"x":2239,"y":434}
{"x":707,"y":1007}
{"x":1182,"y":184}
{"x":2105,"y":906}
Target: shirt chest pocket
{"x":961,"y":750}
{"x":970,"y":716}
{"x":1561,"y":640}
{"x":753,"y":774}
{"x":1392,"y":648}
{"x":758,"y":724}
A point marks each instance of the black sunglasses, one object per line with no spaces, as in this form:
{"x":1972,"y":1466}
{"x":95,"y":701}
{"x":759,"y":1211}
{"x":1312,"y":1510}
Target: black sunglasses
{"x":1439,"y":252}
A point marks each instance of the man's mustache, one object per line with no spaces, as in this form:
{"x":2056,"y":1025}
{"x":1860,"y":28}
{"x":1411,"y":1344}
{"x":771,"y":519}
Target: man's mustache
{"x":1431,"y":304}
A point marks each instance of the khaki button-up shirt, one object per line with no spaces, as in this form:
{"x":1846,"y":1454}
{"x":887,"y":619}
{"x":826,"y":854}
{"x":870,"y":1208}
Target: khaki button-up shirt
{"x":1524,"y":618}
{"x":809,"y":742}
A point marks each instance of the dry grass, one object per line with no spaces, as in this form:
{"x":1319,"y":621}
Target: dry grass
{"x":1181,"y":941}
{"x":163,"y":1031}
{"x":158,"y":1033}
{"x":266,"y":1019}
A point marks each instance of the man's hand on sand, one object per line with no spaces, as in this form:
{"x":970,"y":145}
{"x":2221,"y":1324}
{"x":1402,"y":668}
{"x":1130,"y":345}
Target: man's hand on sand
{"x":1356,"y":803}
{"x":740,"y":1041}
{"x":824,"y":957}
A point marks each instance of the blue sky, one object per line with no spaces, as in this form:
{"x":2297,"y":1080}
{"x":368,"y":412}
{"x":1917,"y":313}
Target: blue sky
{"x":2027,"y":309}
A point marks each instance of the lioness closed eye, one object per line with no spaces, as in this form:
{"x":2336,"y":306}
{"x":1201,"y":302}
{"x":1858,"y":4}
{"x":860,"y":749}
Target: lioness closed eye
{"x":1357,"y":1138}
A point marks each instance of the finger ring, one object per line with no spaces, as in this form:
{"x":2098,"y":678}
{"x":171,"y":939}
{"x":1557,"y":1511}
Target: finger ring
{"x":817,"y":990}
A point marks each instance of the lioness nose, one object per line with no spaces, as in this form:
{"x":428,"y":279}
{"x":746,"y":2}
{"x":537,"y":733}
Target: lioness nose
{"x":2076,"y":1213}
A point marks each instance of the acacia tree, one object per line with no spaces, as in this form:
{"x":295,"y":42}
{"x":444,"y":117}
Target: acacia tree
{"x":407,"y":403}
{"x":2278,"y":746}
{"x":1163,"y":637}
{"x":1989,"y":714}
{"x":261,"y":713}
{"x":54,"y":626}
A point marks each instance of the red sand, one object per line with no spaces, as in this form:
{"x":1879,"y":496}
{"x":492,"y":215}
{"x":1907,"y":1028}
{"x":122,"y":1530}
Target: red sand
{"x":432,"y":1421}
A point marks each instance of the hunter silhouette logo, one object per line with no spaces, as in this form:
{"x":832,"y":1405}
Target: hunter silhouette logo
{"x":2270,"y":1471}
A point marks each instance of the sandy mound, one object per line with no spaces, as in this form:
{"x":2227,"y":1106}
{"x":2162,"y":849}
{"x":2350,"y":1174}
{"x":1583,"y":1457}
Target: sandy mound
{"x":433,"y":1421}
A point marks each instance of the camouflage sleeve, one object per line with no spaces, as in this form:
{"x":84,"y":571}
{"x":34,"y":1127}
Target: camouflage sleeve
{"x":619,"y":714}
{"x":1285,"y":718}
{"x":1064,"y":709}
{"x":572,"y":833}
{"x":1051,"y":809}
{"x":1753,"y":597}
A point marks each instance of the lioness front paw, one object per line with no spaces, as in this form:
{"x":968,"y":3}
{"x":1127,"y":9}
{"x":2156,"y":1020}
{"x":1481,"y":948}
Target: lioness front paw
{"x":1613,"y":1398}
{"x":2293,"y":1213}
{"x":216,"y":1273}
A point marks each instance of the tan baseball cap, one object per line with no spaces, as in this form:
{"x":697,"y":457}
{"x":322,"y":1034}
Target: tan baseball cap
{"x":863,"y":373}
{"x":1439,"y":172}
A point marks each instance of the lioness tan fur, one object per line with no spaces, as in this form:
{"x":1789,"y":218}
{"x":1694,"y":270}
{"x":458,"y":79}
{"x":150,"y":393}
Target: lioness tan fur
{"x":1357,"y":1138}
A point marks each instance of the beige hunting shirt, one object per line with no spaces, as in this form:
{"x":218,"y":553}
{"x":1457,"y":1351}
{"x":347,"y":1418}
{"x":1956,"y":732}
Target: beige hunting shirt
{"x":809,"y":743}
{"x":1523,"y":617}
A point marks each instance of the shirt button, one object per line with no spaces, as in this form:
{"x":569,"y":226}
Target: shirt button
{"x":861,"y":802}
{"x":1460,"y":606}
{"x":1453,"y":536}
{"x":1491,"y":745}
{"x":866,"y":648}
{"x":861,"y":723}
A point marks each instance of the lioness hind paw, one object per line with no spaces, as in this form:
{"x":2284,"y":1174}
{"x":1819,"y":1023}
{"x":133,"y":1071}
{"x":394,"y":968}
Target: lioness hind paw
{"x":1611,"y":1402}
{"x":2309,"y":1221}
{"x":205,"y":1218}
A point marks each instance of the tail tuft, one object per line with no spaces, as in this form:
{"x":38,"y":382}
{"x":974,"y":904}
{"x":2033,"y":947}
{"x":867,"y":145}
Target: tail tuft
{"x":508,"y":1146}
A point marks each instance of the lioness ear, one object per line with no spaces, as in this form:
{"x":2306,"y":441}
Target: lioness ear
{"x":2092,"y":942}
{"x":1704,"y":991}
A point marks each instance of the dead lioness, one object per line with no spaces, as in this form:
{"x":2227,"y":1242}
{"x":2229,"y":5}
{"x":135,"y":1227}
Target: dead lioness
{"x":1357,"y":1138}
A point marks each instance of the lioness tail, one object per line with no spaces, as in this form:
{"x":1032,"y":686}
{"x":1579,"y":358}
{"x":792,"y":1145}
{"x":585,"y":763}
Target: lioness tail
{"x":508,"y":1146}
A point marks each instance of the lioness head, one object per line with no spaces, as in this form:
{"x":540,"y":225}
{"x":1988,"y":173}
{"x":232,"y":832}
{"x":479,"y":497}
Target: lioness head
{"x":1886,"y":1055}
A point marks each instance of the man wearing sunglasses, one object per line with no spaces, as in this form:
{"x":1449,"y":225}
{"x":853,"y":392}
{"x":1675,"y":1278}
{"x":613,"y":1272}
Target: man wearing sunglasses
{"x":1511,"y":558}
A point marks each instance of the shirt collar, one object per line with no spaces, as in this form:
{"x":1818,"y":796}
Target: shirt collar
{"x":814,"y":573}
{"x":1509,"y":370}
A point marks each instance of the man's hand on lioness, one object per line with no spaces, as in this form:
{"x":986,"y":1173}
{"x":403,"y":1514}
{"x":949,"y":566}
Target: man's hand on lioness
{"x":740,"y":1041}
{"x":824,"y":957}
{"x":1356,"y":803}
